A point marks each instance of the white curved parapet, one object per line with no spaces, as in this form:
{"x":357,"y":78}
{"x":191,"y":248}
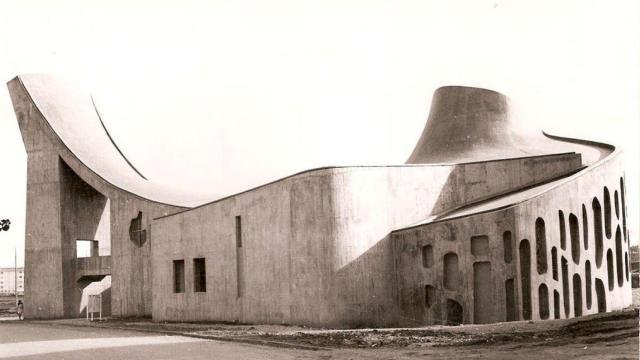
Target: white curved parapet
{"x":72,"y":116}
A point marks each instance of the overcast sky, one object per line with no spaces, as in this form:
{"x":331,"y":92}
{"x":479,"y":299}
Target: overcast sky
{"x":227,"y":95}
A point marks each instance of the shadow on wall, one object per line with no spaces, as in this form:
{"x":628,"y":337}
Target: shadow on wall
{"x":365,"y":289}
{"x":477,"y":182}
{"x":369,"y":293}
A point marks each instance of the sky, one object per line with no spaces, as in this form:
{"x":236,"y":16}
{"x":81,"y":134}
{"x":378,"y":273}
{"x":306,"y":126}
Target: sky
{"x":228,"y":95}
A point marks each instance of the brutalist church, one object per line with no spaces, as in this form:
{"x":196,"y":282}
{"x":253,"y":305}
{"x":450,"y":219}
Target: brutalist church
{"x":485,"y":222}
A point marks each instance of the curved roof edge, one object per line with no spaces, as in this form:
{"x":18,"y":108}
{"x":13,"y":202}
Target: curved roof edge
{"x":324,"y":168}
{"x":74,"y":121}
{"x":113,"y":141}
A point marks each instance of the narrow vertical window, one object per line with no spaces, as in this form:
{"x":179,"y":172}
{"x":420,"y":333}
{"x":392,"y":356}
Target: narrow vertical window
{"x":199,"y":275}
{"x":597,"y":230}
{"x":427,"y":256}
{"x":506,"y":239}
{"x":607,"y":213}
{"x":585,"y":228}
{"x":451,"y":274}
{"x":619,"y":257}
{"x":554,"y":262}
{"x":541,"y":246}
{"x":238,"y":231}
{"x":624,"y":210}
{"x":563,"y":231}
{"x":575,"y":238}
{"x":525,"y":278}
{"x":178,"y":276}
{"x":239,"y":256}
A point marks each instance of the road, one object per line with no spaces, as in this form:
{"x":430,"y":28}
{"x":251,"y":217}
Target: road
{"x":610,"y":336}
{"x":38,"y":341}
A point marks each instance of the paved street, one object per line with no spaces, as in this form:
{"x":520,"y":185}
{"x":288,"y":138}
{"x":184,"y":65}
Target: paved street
{"x":39,"y":341}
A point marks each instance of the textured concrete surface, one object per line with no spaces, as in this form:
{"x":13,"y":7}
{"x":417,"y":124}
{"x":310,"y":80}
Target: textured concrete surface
{"x":69,"y":201}
{"x":318,"y":240}
{"x":475,"y":124}
{"x":523,"y":253}
{"x":469,"y":231}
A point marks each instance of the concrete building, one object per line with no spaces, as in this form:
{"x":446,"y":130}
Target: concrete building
{"x":487,"y":221}
{"x":8,"y":280}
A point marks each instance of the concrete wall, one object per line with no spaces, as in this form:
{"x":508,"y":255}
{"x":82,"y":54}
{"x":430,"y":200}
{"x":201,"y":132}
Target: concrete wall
{"x":532,"y":261}
{"x":66,"y":202}
{"x":315,"y":246}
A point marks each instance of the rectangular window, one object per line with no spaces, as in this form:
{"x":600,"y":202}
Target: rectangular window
{"x":199,"y":275}
{"x":238,"y":231}
{"x":178,"y":276}
{"x":238,"y":256}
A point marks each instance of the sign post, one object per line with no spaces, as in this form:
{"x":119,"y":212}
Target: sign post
{"x":94,"y":305}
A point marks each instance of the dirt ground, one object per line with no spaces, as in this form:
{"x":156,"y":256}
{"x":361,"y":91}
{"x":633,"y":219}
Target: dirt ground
{"x":612,"y":335}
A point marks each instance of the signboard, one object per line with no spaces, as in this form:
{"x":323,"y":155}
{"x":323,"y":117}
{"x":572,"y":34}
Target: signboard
{"x":94,"y":305}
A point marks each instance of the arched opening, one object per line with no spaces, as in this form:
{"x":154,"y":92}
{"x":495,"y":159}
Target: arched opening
{"x":587,"y":282}
{"x":607,"y":213}
{"x":577,"y":295}
{"x":565,"y":286}
{"x":585,"y":228}
{"x":543,"y":301}
{"x":451,"y":273}
{"x":454,"y":312}
{"x":556,"y":304}
{"x":626,"y":264}
{"x":574,"y":231}
{"x":507,"y":246}
{"x":610,"y":269}
{"x":541,"y":246}
{"x":601,"y":296}
{"x":619,"y":269}
{"x":429,"y":295}
{"x":563,"y":231}
{"x":616,"y":204}
{"x":525,"y":278}
{"x":554,"y":262}
{"x":597,"y":230}
{"x":427,"y":256}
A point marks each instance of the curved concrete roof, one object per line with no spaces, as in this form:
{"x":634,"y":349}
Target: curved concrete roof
{"x":474,"y":124}
{"x":73,"y":117}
